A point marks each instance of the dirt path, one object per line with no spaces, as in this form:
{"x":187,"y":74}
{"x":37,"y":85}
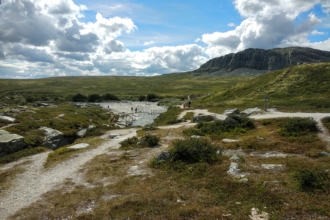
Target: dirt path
{"x":35,"y":181}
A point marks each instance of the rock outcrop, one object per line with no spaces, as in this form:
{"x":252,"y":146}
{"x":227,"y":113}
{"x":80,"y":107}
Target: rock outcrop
{"x":53,"y":138}
{"x":259,"y":61}
{"x":10,"y":143}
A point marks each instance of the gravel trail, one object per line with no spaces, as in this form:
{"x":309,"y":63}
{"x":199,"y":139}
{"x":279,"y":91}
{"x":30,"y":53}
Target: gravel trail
{"x":35,"y":181}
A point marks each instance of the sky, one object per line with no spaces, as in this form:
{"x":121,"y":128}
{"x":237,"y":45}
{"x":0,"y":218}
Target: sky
{"x":43,"y":38}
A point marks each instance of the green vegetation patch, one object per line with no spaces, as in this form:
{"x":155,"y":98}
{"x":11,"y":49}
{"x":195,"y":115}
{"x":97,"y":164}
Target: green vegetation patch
{"x":20,"y":154}
{"x":234,"y":124}
{"x":311,"y":180}
{"x":147,"y":140}
{"x":297,"y":127}
{"x":169,"y":117}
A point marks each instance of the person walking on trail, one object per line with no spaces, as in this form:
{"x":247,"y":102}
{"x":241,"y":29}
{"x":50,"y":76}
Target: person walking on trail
{"x":189,"y":103}
{"x":136,"y":110}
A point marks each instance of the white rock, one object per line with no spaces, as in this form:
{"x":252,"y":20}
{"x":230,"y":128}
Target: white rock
{"x":79,"y":146}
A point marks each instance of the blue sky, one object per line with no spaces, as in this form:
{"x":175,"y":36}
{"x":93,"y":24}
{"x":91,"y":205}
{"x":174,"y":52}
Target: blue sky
{"x":40,"y":38}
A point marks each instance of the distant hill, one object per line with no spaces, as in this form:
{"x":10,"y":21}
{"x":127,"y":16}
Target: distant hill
{"x":304,"y":88}
{"x":254,"y":62}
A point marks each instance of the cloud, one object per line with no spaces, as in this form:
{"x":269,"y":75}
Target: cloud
{"x":267,"y":24}
{"x":29,"y":54}
{"x":29,"y":26}
{"x":148,"y":43}
{"x":155,"y":60}
{"x":316,"y":32}
{"x":231,"y":25}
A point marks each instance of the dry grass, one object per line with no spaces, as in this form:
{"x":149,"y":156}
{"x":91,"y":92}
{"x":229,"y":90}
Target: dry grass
{"x":195,"y":191}
{"x":8,"y":176}
{"x":64,"y":153}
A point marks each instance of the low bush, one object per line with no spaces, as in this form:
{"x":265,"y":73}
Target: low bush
{"x":233,"y":123}
{"x":60,"y":151}
{"x":129,"y":143}
{"x":326,"y":122}
{"x":296,"y":127}
{"x":149,"y":140}
{"x":309,"y":180}
{"x":194,"y":150}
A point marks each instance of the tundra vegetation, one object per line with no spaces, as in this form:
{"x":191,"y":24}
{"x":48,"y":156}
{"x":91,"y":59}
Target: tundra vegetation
{"x":192,"y":183}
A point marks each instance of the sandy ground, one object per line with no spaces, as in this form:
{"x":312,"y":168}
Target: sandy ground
{"x":35,"y":181}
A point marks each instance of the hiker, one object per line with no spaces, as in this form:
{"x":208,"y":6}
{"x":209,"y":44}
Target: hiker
{"x":189,"y":103}
{"x":135,"y":110}
{"x":184,"y":105}
{"x":132,"y":109}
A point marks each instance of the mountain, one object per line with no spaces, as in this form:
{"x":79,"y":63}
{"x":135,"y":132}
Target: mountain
{"x":253,"y":62}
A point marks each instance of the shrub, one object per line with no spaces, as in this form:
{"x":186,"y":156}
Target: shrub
{"x":298,"y":127}
{"x":94,"y":98}
{"x":194,"y":150}
{"x":149,"y":141}
{"x":79,"y":98}
{"x":151,"y":97}
{"x":233,"y":123}
{"x":108,"y":97}
{"x":309,"y":180}
{"x":129,"y":142}
{"x":142,"y":98}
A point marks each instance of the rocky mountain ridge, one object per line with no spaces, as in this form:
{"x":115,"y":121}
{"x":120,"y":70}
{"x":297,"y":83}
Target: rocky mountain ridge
{"x":253,"y":62}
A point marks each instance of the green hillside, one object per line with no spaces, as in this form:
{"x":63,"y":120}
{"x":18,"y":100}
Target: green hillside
{"x":304,"y":87}
{"x":169,"y":85}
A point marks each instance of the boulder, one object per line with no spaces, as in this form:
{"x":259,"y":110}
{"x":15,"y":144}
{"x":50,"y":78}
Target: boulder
{"x":7,"y":118}
{"x":230,"y":120}
{"x":251,"y":111}
{"x":325,"y":154}
{"x":10,"y":143}
{"x":82,"y":132}
{"x":164,"y":156}
{"x":231,"y":111}
{"x":53,"y":139}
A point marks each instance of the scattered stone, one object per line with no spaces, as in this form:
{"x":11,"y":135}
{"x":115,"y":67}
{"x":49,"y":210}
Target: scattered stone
{"x":10,"y":143}
{"x":271,"y":110}
{"x":164,"y":156}
{"x":274,"y":182}
{"x":91,"y":127}
{"x":112,"y":136}
{"x":15,"y":111}
{"x":42,"y":104}
{"x":195,"y":136}
{"x":229,"y":140}
{"x":235,"y":171}
{"x":236,"y":158}
{"x":251,"y":111}
{"x":79,"y":146}
{"x":269,"y":154}
{"x":231,"y":112}
{"x":256,"y":216}
{"x":325,"y":154}
{"x":7,"y":118}
{"x":81,"y":133}
{"x":244,"y":180}
{"x":273,"y":166}
{"x":53,"y":139}
{"x":261,"y":138}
